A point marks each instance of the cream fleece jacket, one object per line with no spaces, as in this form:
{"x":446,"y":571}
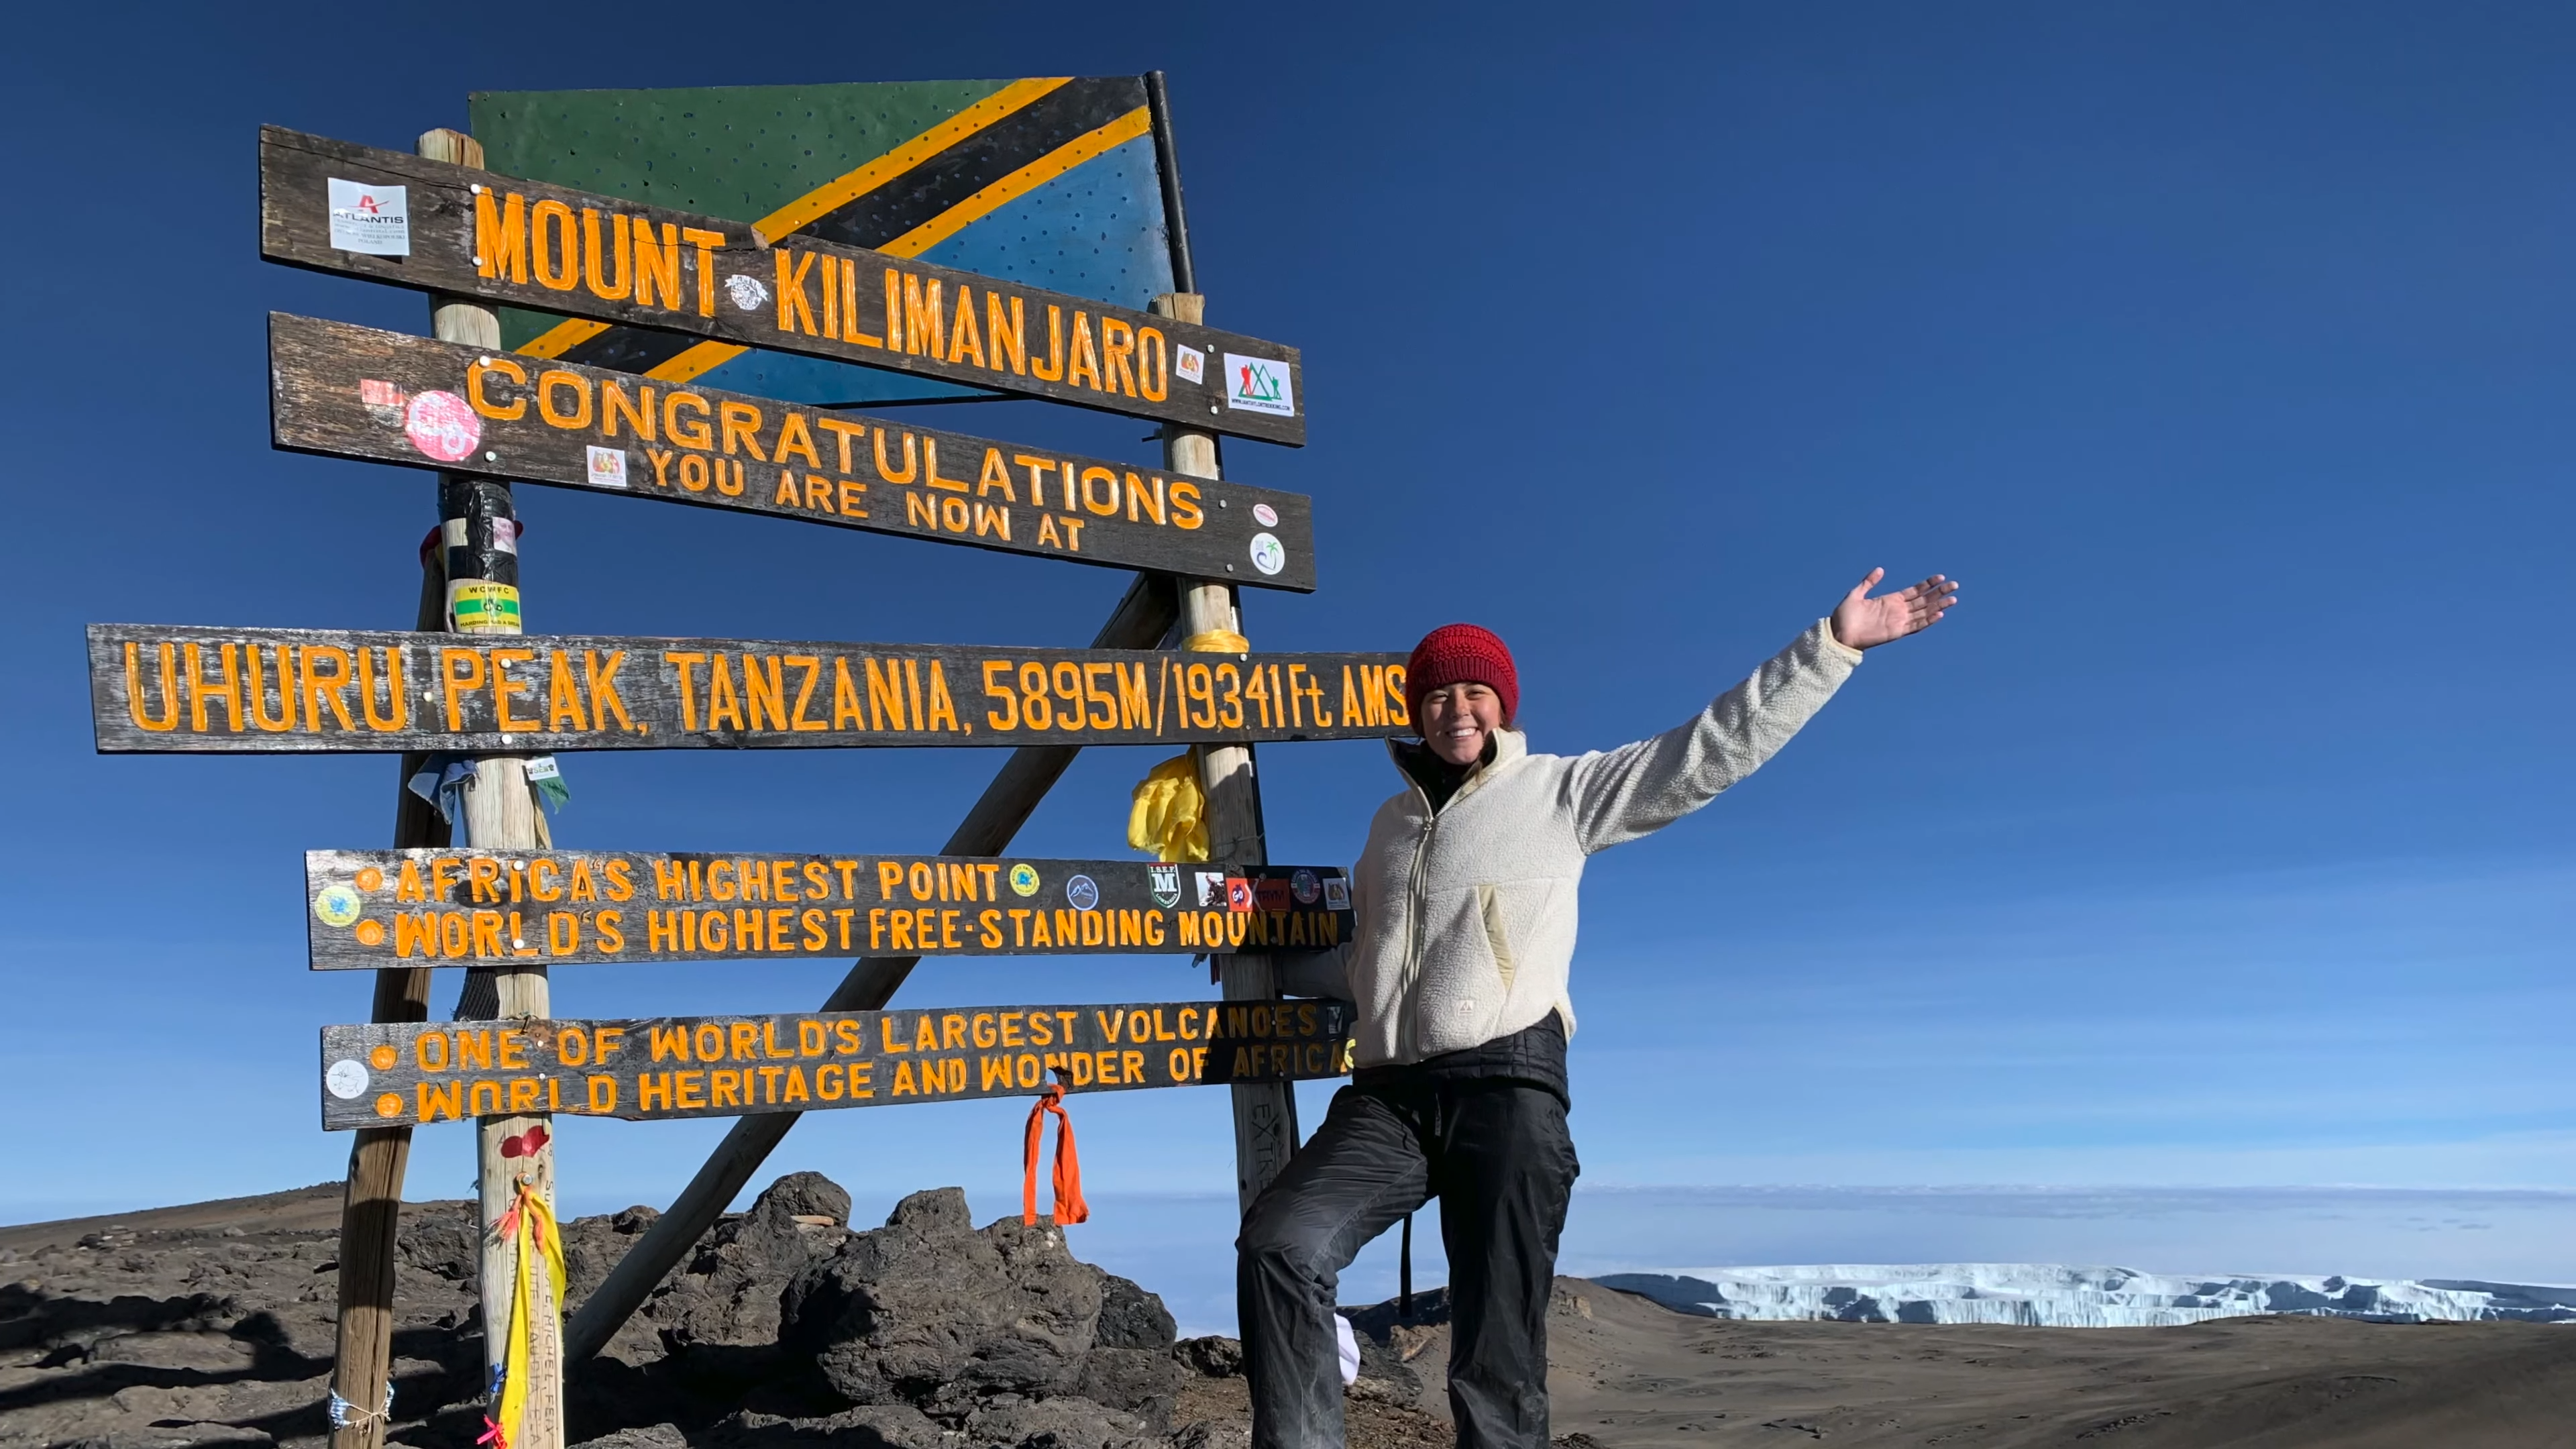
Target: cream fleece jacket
{"x":1467,"y":918}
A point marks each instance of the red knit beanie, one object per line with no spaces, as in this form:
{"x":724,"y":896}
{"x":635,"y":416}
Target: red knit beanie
{"x":1455,"y":654}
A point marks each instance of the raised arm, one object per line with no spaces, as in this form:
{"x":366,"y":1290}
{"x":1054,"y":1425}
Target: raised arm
{"x":1637,"y":789}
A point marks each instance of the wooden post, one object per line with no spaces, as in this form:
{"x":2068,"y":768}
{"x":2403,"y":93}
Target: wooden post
{"x":1142,"y":620}
{"x":371,"y":1210}
{"x":1265,"y":1113}
{"x":479,"y":521}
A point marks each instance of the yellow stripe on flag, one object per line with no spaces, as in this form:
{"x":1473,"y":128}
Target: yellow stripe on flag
{"x":806,"y":209}
{"x":1020,"y":183}
{"x":700,"y":358}
{"x":563,"y":337}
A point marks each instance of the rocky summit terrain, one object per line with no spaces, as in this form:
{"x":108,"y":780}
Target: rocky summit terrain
{"x":213,"y":1325}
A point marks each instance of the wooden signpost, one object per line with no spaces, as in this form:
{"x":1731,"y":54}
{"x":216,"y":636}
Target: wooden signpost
{"x":187,"y":689}
{"x":354,"y":392}
{"x":666,"y":1068}
{"x":376,"y":909}
{"x":469,"y":699}
{"x":556,"y":249}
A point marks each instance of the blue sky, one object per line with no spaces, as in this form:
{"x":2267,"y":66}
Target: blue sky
{"x":2217,"y":840}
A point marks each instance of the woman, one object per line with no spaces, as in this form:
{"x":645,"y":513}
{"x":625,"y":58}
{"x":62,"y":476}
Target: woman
{"x":1466,"y":900}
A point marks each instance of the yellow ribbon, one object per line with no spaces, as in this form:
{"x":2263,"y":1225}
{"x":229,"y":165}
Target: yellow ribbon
{"x":1167,"y":813}
{"x":532,"y":1224}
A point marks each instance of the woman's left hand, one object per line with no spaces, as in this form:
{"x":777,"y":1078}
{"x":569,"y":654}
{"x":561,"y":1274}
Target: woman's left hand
{"x":1862,"y":622}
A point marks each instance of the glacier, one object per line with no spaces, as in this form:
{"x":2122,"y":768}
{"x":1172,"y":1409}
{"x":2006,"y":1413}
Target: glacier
{"x":2052,"y":1295}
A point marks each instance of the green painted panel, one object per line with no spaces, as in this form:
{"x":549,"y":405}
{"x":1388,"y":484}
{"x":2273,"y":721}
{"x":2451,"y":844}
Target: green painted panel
{"x":739,"y":152}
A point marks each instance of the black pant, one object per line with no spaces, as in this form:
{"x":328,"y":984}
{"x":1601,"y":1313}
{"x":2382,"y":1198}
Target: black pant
{"x":1497,"y":1154}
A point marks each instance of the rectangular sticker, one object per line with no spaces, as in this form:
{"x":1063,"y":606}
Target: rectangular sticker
{"x":607,"y":467}
{"x":1258,"y":385}
{"x":370,"y":217}
{"x":1189,"y":364}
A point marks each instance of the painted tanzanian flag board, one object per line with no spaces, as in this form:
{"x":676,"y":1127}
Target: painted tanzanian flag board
{"x":1050,"y":182}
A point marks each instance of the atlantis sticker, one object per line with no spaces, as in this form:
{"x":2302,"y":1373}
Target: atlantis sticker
{"x":369,"y":218}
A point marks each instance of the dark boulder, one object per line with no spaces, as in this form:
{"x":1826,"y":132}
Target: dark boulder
{"x":1212,"y":1357}
{"x":1130,"y":1317}
{"x":1131,"y":1367}
{"x":928,"y":1309}
{"x":727,"y":1294}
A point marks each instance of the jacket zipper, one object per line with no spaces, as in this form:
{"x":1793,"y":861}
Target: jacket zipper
{"x":1417,"y":903}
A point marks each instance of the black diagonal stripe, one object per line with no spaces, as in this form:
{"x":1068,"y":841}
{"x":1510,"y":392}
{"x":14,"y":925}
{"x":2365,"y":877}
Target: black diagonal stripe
{"x":630,"y":349}
{"x":931,"y":188}
{"x":1076,"y":108}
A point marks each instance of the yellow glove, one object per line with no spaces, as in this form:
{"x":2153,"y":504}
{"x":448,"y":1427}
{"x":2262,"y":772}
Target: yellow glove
{"x":1168,"y":813}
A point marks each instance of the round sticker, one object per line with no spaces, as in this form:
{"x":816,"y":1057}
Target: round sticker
{"x":338,"y":905}
{"x":1024,"y":880}
{"x":346,"y":1079}
{"x":747,"y":293}
{"x":371,"y":879}
{"x":370,"y":933}
{"x":1080,"y":893}
{"x":442,"y":426}
{"x":1265,"y":515}
{"x":382,"y":1057}
{"x":1305,"y":887}
{"x":1268,"y":554}
{"x":389,"y":1105}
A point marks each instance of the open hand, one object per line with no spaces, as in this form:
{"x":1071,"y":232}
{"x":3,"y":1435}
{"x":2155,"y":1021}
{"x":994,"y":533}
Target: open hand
{"x":1862,"y":622}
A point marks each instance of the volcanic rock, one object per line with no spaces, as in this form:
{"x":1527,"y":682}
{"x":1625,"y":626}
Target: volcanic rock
{"x":928,"y":1308}
{"x":781,"y":1328}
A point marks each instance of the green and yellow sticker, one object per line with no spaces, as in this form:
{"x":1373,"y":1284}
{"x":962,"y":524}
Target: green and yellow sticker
{"x":479,"y":606}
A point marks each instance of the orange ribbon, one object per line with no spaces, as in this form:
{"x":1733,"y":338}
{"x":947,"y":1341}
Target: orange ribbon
{"x":1069,"y":1206}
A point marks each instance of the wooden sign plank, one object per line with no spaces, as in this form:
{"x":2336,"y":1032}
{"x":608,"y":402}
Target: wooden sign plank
{"x":554,"y":249}
{"x":375,"y":909}
{"x":402,"y":1074}
{"x":177,"y":689}
{"x":355,"y":392}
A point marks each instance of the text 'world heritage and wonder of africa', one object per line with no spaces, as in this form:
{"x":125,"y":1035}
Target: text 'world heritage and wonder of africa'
{"x":401,"y":1074}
